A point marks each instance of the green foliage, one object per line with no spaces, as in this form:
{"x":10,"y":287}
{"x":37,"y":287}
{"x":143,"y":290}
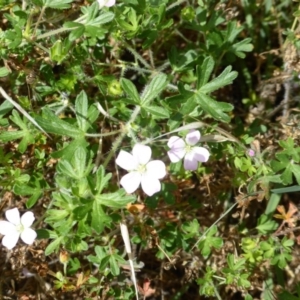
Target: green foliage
{"x":80,"y":83}
{"x":287,"y":161}
{"x":210,"y":241}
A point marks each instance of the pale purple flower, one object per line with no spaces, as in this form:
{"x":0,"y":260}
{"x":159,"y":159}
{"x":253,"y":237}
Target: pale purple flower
{"x":141,"y":170}
{"x":17,"y":227}
{"x":192,"y":154}
{"x":251,"y":152}
{"x":107,"y":3}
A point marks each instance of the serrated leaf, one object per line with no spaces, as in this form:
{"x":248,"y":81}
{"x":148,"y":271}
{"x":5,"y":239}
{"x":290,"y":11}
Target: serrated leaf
{"x":115,"y":200}
{"x":214,"y":108}
{"x":225,"y":78}
{"x":204,"y":72}
{"x":66,"y":168}
{"x":154,"y":88}
{"x":157,"y":112}
{"x":52,"y":124}
{"x":104,"y":18}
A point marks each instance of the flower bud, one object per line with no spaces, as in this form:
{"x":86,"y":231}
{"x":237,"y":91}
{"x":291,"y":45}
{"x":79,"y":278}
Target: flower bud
{"x":64,"y":257}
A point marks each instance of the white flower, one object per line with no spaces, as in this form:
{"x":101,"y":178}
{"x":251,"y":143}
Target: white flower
{"x":141,"y":170}
{"x":186,"y":149}
{"x":16,"y":227}
{"x":107,"y":3}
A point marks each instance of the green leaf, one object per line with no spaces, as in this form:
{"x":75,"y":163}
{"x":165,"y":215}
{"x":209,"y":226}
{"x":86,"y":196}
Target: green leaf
{"x":4,"y":71}
{"x":154,"y":88}
{"x":43,"y":233}
{"x":104,"y":18}
{"x":243,"y":46}
{"x":101,"y":179}
{"x":204,"y":72}
{"x":79,"y":162}
{"x":272,"y":203}
{"x":69,"y":150}
{"x":214,"y":108}
{"x":11,"y":135}
{"x":34,"y":198}
{"x":58,"y":4}
{"x":71,"y":25}
{"x":115,"y":200}
{"x":99,"y":218}
{"x":81,"y":108}
{"x":225,"y":78}
{"x":266,"y":225}
{"x":210,"y":242}
{"x":295,"y":168}
{"x":130,"y":90}
{"x":290,"y":189}
{"x":287,"y":175}
{"x":80,"y":212}
{"x":157,"y":112}
{"x":67,"y":169}
{"x":77,"y":33}
{"x":115,"y":269}
{"x":281,"y":163}
{"x":53,"y":246}
{"x":51,"y":123}
{"x":5,"y":107}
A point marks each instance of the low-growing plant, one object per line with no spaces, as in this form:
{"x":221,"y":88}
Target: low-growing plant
{"x":133,"y":132}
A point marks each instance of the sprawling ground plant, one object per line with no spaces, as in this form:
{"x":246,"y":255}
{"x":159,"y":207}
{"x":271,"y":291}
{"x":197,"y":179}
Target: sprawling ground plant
{"x":153,"y":148}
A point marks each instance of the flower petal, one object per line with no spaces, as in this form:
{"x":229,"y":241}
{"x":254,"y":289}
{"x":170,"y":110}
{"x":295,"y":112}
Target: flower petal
{"x":177,"y":146}
{"x":27,"y":219}
{"x":110,"y":3}
{"x":190,"y":162}
{"x":28,"y":236}
{"x":13,"y":216}
{"x":131,"y":181}
{"x":7,"y":228}
{"x":156,"y":169}
{"x":126,"y":161}
{"x":141,"y":153}
{"x":193,"y":137}
{"x":176,"y":142}
{"x":107,"y":3}
{"x":201,"y":154}
{"x":150,"y":185}
{"x":10,"y":241}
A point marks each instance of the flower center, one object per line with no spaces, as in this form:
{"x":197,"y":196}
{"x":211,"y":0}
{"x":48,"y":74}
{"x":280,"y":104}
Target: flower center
{"x":142,"y":169}
{"x":188,"y":148}
{"x":20,"y":228}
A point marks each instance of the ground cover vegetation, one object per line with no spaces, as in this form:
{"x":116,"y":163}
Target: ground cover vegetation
{"x":149,"y":149}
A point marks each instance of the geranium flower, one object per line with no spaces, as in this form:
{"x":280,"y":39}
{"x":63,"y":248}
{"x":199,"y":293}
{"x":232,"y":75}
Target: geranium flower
{"x":107,"y":3}
{"x":16,"y":227}
{"x":141,"y":170}
{"x":192,"y":154}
